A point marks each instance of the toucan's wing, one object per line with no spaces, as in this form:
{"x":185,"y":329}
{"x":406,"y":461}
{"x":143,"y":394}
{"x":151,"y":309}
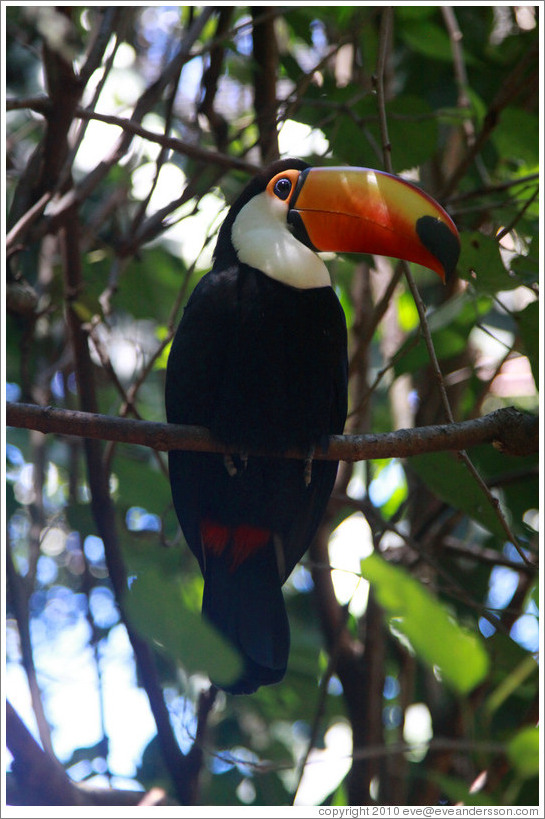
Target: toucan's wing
{"x":299,"y":537}
{"x":195,"y":369}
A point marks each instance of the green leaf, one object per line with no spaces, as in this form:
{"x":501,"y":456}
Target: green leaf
{"x":412,"y":128}
{"x":429,"y":39}
{"x":528,"y":324}
{"x":462,"y":311}
{"x":450,"y":325}
{"x":516,"y":496}
{"x":414,"y":13}
{"x":517,"y":136}
{"x":526,"y":267}
{"x":154,"y":605}
{"x":523,"y":751}
{"x":151,"y":283}
{"x":339,"y":796}
{"x":407,"y":312}
{"x":458,"y":792}
{"x":140,"y":481}
{"x":413,"y":131}
{"x":481,"y":264}
{"x":435,"y":636}
{"x":511,"y":682}
{"x":450,"y":480}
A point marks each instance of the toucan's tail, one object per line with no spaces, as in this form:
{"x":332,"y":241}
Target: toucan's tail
{"x":247,"y":606}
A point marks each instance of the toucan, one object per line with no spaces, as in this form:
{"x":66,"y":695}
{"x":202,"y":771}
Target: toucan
{"x":260,"y":358}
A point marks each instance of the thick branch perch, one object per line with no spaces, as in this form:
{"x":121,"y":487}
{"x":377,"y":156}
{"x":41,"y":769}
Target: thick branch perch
{"x":514,"y":432}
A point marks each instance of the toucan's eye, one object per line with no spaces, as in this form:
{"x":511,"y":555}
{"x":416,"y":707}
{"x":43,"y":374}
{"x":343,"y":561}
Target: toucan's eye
{"x":282,"y":189}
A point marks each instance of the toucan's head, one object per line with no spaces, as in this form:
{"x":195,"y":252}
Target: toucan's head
{"x":291,"y":211}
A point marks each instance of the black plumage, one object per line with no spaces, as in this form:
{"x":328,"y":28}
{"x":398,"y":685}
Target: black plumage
{"x":263,"y":365}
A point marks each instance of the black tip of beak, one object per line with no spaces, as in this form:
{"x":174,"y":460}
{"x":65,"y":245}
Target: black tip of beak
{"x":440,"y":241}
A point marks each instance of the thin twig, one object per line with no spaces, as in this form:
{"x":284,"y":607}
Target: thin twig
{"x":513,"y":85}
{"x":18,"y":231}
{"x":19,"y":596}
{"x":385,"y":34}
{"x":384,"y":42}
{"x":41,"y":104}
{"x":386,"y":23}
{"x":103,"y":36}
{"x":435,"y":745}
{"x":512,"y":224}
{"x":491,"y":189}
{"x":459,"y":66}
{"x":321,"y":703}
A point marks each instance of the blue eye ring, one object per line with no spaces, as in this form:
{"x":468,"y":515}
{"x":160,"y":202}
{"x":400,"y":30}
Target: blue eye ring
{"x":282,"y":188}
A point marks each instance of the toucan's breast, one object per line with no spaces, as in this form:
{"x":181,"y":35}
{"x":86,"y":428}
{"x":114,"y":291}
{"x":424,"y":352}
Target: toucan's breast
{"x":283,"y":358}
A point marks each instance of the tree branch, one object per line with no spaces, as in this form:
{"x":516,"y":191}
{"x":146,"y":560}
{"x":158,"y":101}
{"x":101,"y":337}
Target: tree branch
{"x":80,"y":192}
{"x":40,"y":776}
{"x":385,"y":35}
{"x":512,"y":86}
{"x":20,"y":594}
{"x":98,"y":476}
{"x":265,"y":54}
{"x":37,"y":779}
{"x":210,"y":81}
{"x":508,"y":429}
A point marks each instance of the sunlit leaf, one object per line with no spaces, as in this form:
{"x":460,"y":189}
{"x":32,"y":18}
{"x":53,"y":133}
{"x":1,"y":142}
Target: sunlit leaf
{"x":407,"y":312}
{"x":434,"y":635}
{"x":450,"y":325}
{"x":523,"y":751}
{"x":481,"y":264}
{"x":155,"y":608}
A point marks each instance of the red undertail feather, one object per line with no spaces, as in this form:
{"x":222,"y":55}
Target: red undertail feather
{"x":246,"y":541}
{"x":215,"y":536}
{"x":243,"y":540}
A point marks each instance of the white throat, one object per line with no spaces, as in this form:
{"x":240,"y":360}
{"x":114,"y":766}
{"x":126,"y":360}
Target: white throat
{"x":262,"y":240}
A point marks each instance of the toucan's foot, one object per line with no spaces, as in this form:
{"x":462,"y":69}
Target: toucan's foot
{"x":308,"y":467}
{"x":230,"y":465}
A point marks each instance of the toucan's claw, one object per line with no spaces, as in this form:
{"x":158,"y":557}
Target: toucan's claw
{"x":308,"y":467}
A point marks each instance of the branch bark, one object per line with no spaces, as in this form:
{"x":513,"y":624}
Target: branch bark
{"x":513,"y":432}
{"x":40,"y":776}
{"x":265,"y":53}
{"x":37,"y":779}
{"x":98,"y":476}
{"x":20,"y":595}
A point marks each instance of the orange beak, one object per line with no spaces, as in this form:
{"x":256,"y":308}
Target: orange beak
{"x":358,"y":210}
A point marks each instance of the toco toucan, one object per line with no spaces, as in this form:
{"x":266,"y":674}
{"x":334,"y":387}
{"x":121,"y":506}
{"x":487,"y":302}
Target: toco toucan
{"x":260,"y":358}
